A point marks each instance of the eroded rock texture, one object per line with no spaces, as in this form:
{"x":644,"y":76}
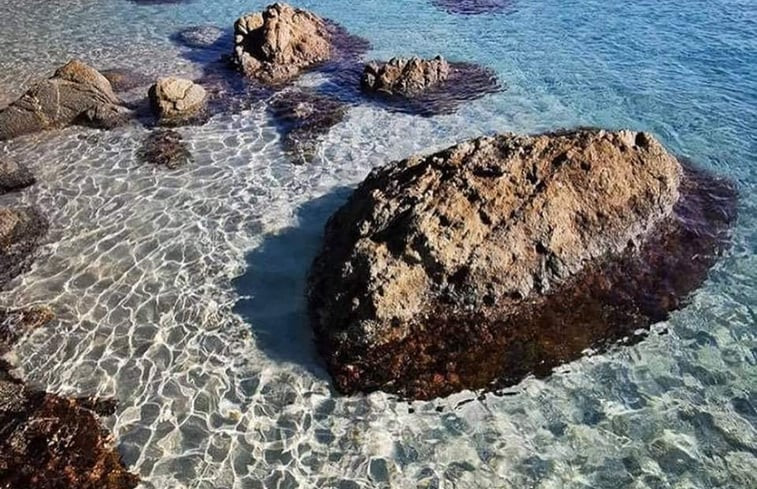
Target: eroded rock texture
{"x":426,"y":87}
{"x":508,"y":255}
{"x":124,"y":79}
{"x":303,"y":118}
{"x":278,"y":44}
{"x":76,"y":94}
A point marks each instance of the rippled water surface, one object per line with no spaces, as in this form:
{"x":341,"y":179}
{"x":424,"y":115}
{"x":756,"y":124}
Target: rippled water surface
{"x":180,"y":292}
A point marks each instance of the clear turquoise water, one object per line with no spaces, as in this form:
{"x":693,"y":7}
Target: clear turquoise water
{"x":180,"y":293}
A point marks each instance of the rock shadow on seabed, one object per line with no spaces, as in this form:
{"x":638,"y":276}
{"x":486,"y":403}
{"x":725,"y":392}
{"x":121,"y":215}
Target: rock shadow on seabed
{"x":272,"y":289}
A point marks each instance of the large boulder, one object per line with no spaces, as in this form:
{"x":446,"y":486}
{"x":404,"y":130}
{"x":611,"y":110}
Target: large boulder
{"x":277,"y":44}
{"x":404,"y":76}
{"x":14,"y":176}
{"x":76,"y":94}
{"x":177,"y":101}
{"x":426,"y":86}
{"x":453,"y":270}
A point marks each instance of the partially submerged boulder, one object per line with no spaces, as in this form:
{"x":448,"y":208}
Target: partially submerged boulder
{"x":304,"y":117}
{"x":276,"y":45}
{"x":177,"y":101}
{"x":404,"y":76}
{"x":165,"y":148}
{"x":14,"y":176}
{"x":458,"y":270}
{"x":426,"y":86}
{"x":76,"y":94}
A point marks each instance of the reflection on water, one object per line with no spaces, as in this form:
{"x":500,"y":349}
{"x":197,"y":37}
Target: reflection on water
{"x":218,"y":391}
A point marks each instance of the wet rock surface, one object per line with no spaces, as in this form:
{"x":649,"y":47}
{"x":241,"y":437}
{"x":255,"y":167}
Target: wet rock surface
{"x":177,"y":101}
{"x":76,"y":94}
{"x":507,"y":256}
{"x":426,"y":87}
{"x":165,"y":147}
{"x":303,"y":118}
{"x":14,"y":176}
{"x":473,"y":7}
{"x":277,"y":45}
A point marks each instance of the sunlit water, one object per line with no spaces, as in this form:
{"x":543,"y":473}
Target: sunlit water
{"x":180,"y":293}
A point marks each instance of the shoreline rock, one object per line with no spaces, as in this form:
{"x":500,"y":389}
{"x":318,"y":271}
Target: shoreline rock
{"x":505,"y":256}
{"x":76,"y":94}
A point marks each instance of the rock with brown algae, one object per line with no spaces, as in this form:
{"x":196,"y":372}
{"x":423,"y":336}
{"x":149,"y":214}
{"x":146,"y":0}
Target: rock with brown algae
{"x":508,"y":255}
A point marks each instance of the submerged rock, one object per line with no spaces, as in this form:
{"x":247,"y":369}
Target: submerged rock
{"x":473,"y":7}
{"x":504,"y":256}
{"x":426,"y":87}
{"x":14,"y":176}
{"x":47,"y":441}
{"x":124,"y":79}
{"x":304,"y":117}
{"x":21,"y":230}
{"x":166,"y":148}
{"x":278,"y":44}
{"x":203,"y":37}
{"x":76,"y":94}
{"x":177,"y":101}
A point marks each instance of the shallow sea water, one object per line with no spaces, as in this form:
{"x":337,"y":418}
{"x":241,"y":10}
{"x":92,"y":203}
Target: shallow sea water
{"x":180,"y":293}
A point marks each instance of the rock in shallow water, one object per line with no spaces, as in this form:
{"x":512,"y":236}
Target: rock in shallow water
{"x":426,"y":87}
{"x":14,"y":176}
{"x":277,"y":45}
{"x":165,"y":148}
{"x":21,"y":230}
{"x":177,"y":101}
{"x":76,"y":94}
{"x":473,"y":7}
{"x":505,"y":256}
{"x":303,"y":118}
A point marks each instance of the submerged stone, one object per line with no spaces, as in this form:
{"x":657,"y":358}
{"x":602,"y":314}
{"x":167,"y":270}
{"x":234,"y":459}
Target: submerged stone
{"x":473,"y":7}
{"x":426,"y":87}
{"x":124,"y":79}
{"x":166,"y":148}
{"x":203,"y":37}
{"x":14,"y":176}
{"x":507,"y":256}
{"x":21,"y":230}
{"x":76,"y":94}
{"x":303,"y":118}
